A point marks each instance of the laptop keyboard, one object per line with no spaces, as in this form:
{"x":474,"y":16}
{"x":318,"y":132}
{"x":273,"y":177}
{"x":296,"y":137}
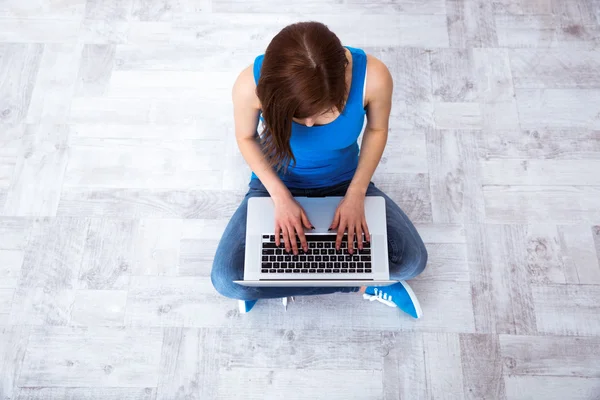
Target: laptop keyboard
{"x":320,"y":258}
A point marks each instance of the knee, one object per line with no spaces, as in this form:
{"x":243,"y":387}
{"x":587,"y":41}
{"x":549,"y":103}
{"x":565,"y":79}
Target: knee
{"x":421,"y":259}
{"x":223,"y":281}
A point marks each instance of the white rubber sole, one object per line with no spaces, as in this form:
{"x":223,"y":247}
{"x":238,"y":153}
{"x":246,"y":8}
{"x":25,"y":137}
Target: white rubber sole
{"x":413,"y":298}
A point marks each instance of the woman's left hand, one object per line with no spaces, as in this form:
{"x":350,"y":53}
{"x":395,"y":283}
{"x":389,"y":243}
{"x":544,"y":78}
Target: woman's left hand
{"x":350,"y":215}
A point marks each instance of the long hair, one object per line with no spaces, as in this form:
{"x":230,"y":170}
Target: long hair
{"x":303,"y":74}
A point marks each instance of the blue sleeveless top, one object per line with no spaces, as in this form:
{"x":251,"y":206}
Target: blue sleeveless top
{"x":327,"y":154}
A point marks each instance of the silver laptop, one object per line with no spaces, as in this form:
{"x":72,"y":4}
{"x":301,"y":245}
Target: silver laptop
{"x":267,"y":264}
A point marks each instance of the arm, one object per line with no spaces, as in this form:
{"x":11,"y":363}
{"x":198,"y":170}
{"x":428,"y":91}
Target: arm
{"x":350,"y":213}
{"x":246,"y":108}
{"x":290,"y":218}
{"x":379,"y":104}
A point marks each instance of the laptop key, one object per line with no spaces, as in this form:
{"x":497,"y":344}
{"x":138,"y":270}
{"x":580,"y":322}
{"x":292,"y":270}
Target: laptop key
{"x":275,"y":265}
{"x":306,"y":265}
{"x":302,"y":258}
{"x":265,"y":271}
{"x":296,"y":271}
{"x":337,"y":264}
{"x":272,"y":258}
{"x":326,"y":258}
{"x":280,"y":271}
{"x":300,"y":250}
{"x":295,"y":258}
{"x":312,"y":245}
{"x":304,"y":271}
{"x":265,"y":258}
{"x":319,"y":245}
{"x":269,"y":245}
{"x":327,"y":245}
{"x":351,"y":271}
{"x":288,"y":258}
{"x":268,"y":251}
{"x":318,"y":258}
{"x":272,"y":271}
{"x":352,"y":265}
{"x":368,"y":265}
{"x":320,"y":271}
{"x":336,"y":271}
{"x":340,"y":251}
{"x":312,"y":271}
{"x":355,"y":258}
{"x":327,"y":271}
{"x":283,"y":265}
{"x":311,"y":258}
{"x":279,"y":258}
{"x":344,"y":265}
{"x":321,"y":265}
{"x":364,"y":251}
{"x":288,"y":271}
{"x":266,"y":265}
{"x":365,"y":258}
{"x":360,"y":264}
{"x":272,"y":238}
{"x":279,"y":252}
{"x":359,"y":271}
{"x":368,"y":270}
{"x":344,"y":271}
{"x":367,"y":245}
{"x":331,"y":251}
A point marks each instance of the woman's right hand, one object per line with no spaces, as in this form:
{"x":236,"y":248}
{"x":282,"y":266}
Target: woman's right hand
{"x":290,"y":220}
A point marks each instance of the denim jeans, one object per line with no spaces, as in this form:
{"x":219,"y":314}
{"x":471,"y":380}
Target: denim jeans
{"x":406,"y":251}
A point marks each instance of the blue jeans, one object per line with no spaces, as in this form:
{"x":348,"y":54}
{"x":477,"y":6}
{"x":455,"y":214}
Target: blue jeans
{"x":406,"y":251}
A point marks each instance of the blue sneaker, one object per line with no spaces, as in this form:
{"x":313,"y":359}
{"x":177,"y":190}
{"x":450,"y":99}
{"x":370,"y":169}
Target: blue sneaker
{"x":397,"y":295}
{"x":246,"y":306}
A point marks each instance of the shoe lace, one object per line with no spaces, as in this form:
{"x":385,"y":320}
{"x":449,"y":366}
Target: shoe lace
{"x":381,"y":297}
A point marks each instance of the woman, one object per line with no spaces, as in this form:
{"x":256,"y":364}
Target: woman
{"x":312,"y":95}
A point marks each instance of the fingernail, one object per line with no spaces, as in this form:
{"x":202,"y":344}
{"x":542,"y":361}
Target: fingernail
{"x":330,"y":229}
{"x":312,"y":227}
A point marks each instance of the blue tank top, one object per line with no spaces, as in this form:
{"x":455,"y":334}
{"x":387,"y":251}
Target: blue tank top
{"x":327,"y":154}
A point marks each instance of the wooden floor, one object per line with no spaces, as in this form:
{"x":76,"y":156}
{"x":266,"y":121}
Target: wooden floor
{"x":119,"y":171}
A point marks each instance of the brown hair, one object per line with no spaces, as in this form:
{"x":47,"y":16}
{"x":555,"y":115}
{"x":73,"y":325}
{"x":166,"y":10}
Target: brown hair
{"x":303,"y":73}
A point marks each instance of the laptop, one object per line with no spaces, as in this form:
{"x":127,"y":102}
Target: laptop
{"x":267,"y":264}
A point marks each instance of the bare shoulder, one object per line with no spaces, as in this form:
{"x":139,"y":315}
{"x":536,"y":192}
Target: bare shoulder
{"x":379,"y":80}
{"x":244,"y":89}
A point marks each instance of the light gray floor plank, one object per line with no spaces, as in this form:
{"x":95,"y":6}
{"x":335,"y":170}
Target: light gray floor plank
{"x":51,"y":98}
{"x":10,"y":144}
{"x":94,"y":357}
{"x":558,"y":108}
{"x":86,"y":393}
{"x":482,"y":367}
{"x":39,"y":30}
{"x":108,"y":255}
{"x":551,"y":355}
{"x":13,"y":344}
{"x":451,"y":74}
{"x":38,"y":175}
{"x":522,"y":204}
{"x":19,"y":65}
{"x":444,"y":367}
{"x":166,"y":10}
{"x":539,"y":143}
{"x":50,"y":9}
{"x":10,"y":267}
{"x":157,"y":247}
{"x":95,"y":69}
{"x":268,"y":383}
{"x":551,"y":388}
{"x":581,"y":261}
{"x":567,"y":309}
{"x":54,"y":253}
{"x":99,"y":308}
{"x":471,"y":24}
{"x":555,"y":68}
{"x":452,"y":158}
{"x":502,"y":299}
{"x":42,"y":306}
{"x":153,"y":203}
{"x":404,"y":366}
{"x":446,"y":261}
{"x":540,"y":172}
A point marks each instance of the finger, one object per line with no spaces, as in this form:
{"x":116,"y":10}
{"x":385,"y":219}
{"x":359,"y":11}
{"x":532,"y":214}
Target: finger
{"x":366,"y":229}
{"x":293,"y":241}
{"x":336,"y":220}
{"x":306,"y":222}
{"x":277,"y":233}
{"x":340,"y":234}
{"x":302,"y":237}
{"x":286,"y":238}
{"x":351,"y":239}
{"x":359,"y":236}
